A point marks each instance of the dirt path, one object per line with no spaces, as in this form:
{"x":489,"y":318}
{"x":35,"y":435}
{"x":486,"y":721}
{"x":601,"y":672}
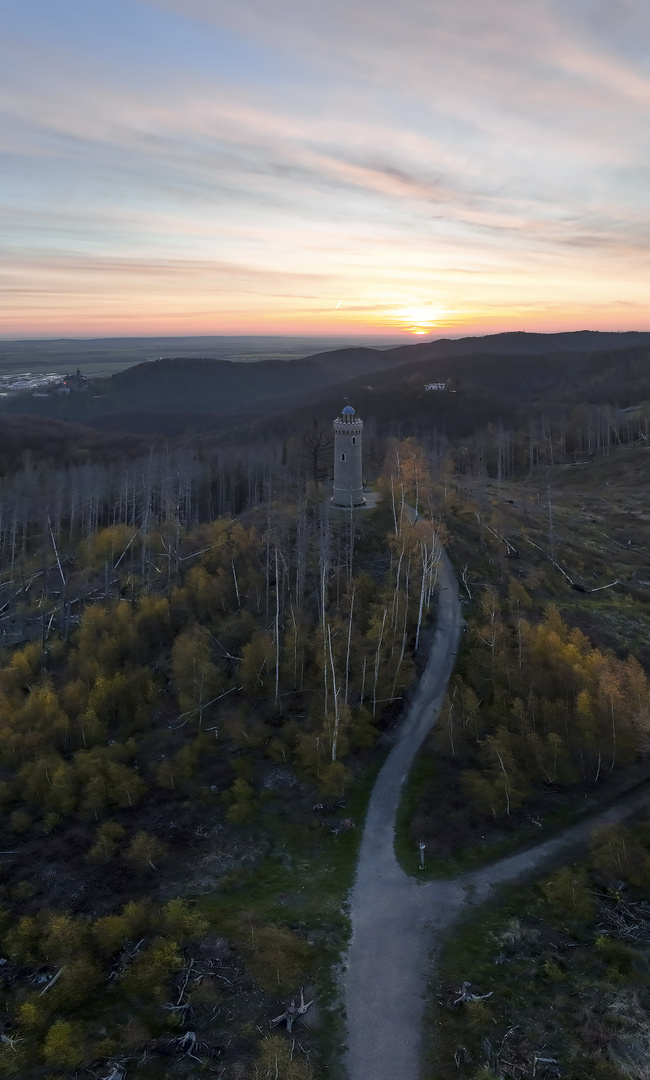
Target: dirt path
{"x":397,"y":922}
{"x":387,"y":961}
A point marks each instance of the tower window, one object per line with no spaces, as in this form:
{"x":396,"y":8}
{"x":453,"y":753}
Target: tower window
{"x":354,"y":440}
{"x":342,"y":457}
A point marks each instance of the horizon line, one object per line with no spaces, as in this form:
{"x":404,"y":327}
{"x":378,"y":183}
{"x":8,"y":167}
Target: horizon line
{"x":404,"y":336}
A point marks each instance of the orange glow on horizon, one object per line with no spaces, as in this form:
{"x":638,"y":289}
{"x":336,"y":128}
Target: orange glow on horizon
{"x":418,"y":317}
{"x":184,"y":313}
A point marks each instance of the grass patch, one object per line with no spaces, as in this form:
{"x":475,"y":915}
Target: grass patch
{"x":303,"y":883}
{"x":565,"y":982}
{"x":468,"y":955}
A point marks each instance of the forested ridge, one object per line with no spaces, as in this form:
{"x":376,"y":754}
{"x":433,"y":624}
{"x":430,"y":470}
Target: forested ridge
{"x":498,"y":374}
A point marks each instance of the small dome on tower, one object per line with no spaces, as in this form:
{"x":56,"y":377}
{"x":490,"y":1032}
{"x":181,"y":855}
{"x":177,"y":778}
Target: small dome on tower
{"x":347,"y":411}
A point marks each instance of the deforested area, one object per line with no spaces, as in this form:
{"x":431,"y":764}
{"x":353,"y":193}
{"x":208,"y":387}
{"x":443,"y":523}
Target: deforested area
{"x":199,"y":659}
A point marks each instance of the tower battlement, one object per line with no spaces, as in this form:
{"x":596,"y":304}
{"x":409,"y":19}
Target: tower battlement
{"x":345,"y":427}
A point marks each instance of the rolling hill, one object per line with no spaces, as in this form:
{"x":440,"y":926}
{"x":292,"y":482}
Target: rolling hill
{"x":498,"y":375}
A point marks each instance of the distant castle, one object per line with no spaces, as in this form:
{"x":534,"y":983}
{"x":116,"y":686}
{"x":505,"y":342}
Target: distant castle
{"x":74,"y":382}
{"x":348,"y":482}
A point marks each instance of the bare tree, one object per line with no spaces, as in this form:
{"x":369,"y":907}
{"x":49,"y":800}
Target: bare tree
{"x":316,"y":442}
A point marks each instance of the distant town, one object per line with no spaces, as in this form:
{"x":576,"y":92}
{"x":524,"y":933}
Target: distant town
{"x":43,"y":386}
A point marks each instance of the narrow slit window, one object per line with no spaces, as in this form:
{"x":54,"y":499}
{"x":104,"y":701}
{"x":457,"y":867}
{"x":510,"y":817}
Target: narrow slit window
{"x":342,"y":457}
{"x":354,"y":440}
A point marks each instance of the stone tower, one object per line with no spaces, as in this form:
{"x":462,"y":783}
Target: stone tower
{"x":348,"y":484}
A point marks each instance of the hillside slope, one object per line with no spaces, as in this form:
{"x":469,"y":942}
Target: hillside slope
{"x":172,"y":395}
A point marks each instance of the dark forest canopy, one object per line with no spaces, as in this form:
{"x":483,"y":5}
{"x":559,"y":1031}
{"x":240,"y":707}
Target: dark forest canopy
{"x":194,"y":394}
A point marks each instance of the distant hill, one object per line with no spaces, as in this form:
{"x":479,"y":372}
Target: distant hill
{"x":203,"y":385}
{"x":105,"y":356}
{"x":485,"y":387}
{"x":232,"y":387}
{"x":620,"y":377}
{"x":190,"y":393}
{"x":521,"y":342}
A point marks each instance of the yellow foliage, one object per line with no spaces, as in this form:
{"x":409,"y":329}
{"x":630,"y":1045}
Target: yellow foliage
{"x":62,"y":1045}
{"x":31,"y":1015}
{"x":478,"y":1013}
{"x":125,"y":786}
{"x":568,"y":895}
{"x":145,"y":851}
{"x":80,"y":976}
{"x":518,"y":597}
{"x":123,"y":699}
{"x":276,"y":958}
{"x":110,"y":933}
{"x":278,"y":1060}
{"x":107,"y":838}
{"x":181,"y":923}
{"x":334,"y":779}
{"x":197,"y":680}
{"x":149,"y":975}
{"x":41,"y":720}
{"x":107,"y":640}
{"x":207,"y":593}
{"x":153,"y":622}
{"x":617,"y":853}
{"x":63,"y":937}
{"x":108,"y":544}
{"x":257,"y":669}
{"x":242,"y":802}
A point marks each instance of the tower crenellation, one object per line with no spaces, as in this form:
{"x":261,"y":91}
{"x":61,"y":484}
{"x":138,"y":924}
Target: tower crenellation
{"x":348,"y":482}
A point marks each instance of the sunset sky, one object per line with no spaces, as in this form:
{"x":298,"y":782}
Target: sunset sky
{"x":324,"y":166}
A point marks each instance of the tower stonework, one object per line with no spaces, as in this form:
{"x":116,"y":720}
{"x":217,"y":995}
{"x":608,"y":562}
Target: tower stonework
{"x":348,"y":483}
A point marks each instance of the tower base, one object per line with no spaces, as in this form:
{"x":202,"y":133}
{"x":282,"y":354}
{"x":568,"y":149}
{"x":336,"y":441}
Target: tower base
{"x":347,"y":503}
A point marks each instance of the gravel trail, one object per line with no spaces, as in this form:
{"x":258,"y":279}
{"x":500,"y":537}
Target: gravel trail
{"x":387,"y":961}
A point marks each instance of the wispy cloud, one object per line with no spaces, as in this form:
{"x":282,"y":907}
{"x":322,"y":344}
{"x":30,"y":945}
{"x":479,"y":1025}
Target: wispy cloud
{"x":260,"y":160}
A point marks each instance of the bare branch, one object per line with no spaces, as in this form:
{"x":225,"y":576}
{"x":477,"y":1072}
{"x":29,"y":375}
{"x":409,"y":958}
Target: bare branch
{"x":127,"y":548}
